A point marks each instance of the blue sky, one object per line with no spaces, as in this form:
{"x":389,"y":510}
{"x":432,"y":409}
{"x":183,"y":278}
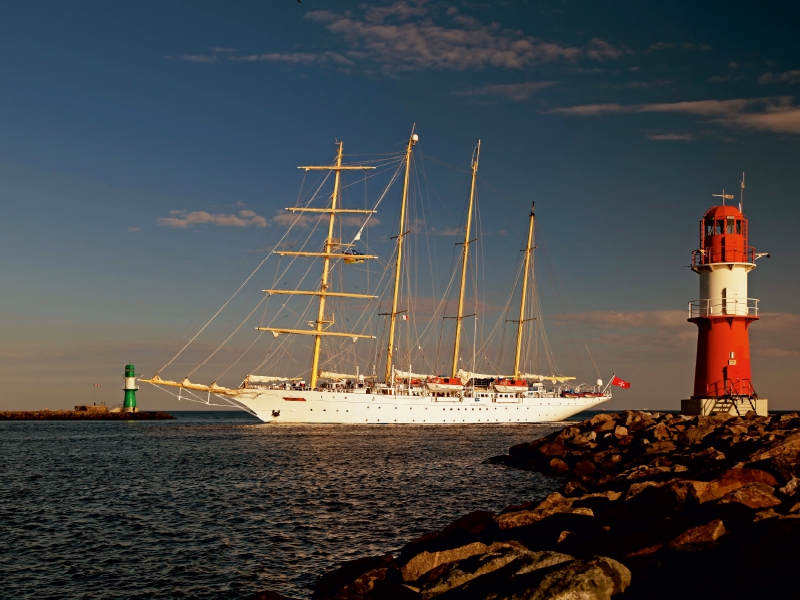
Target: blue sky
{"x":145,"y":149}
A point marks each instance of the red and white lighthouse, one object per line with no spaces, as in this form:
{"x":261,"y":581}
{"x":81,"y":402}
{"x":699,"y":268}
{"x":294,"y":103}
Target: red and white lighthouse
{"x":723,"y":314}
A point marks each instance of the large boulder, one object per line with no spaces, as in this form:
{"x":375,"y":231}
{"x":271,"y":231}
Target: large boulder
{"x":423,"y":562}
{"x":460,"y":572}
{"x":554,"y":503}
{"x":704,"y":534}
{"x":733,"y":479}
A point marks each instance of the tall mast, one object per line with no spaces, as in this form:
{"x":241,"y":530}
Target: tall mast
{"x":328,"y":255}
{"x":528,"y":250}
{"x":326,"y":266}
{"x":464,"y":257}
{"x":399,"y":260}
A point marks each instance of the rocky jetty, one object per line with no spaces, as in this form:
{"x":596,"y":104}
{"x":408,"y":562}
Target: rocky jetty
{"x":82,"y":415}
{"x":652,"y":506}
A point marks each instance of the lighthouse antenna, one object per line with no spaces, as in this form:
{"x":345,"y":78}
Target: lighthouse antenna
{"x":741,"y":194}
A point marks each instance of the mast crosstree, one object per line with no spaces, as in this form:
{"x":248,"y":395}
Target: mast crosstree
{"x":399,"y":259}
{"x":526,"y":268}
{"x":327,"y":255}
{"x":464,"y":259}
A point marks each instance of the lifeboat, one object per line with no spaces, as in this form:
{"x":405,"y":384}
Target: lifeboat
{"x":444,"y":384}
{"x":571,"y":395}
{"x":510,"y":386}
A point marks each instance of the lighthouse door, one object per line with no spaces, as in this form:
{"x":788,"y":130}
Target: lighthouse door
{"x":730,"y":300}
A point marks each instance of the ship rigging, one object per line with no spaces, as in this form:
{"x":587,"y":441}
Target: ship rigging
{"x":330,"y":391}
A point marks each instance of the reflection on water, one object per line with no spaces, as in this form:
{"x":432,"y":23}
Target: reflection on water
{"x":217,"y":505}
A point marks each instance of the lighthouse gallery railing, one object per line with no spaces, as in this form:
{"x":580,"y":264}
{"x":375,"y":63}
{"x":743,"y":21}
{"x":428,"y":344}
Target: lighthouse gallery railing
{"x":723,"y":254}
{"x":718,"y":307}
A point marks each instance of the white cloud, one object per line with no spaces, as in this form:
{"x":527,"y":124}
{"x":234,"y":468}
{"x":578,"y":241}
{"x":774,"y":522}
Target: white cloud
{"x":790,"y":77}
{"x":775,"y":114}
{"x":181,"y":219}
{"x":214,"y":57}
{"x":660,"y":46}
{"x":600,"y":50}
{"x":690,"y":46}
{"x":198,"y":58}
{"x":685,"y":137}
{"x":405,"y":37}
{"x":133,"y":229}
{"x":512,"y":91}
{"x":408,"y":36}
{"x":649,"y":84}
{"x":296,"y":58}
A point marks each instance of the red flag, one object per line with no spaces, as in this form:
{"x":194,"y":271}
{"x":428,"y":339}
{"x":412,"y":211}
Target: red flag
{"x":404,"y":317}
{"x":620,"y":382}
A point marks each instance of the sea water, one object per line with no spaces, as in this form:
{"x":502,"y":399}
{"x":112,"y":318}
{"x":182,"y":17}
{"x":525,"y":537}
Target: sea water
{"x":219,"y":505}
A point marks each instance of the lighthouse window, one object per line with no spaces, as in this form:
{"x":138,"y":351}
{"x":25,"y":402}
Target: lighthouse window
{"x":710,"y":227}
{"x":730,"y":224}
{"x":738,"y":226}
{"x":720,"y":227}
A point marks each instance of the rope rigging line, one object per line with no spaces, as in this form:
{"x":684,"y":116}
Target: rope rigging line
{"x":235,"y":331}
{"x":241,"y":353}
{"x":380,"y":199}
{"x":249,"y":277}
{"x":558,"y":284}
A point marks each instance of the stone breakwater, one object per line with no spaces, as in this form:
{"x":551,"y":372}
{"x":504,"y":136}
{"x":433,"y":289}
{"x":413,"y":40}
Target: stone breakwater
{"x":80,"y":415}
{"x":652,"y":506}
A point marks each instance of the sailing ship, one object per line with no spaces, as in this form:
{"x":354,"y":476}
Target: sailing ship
{"x":400,"y":396}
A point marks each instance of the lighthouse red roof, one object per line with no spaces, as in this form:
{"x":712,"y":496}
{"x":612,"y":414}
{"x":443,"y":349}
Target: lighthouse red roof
{"x":719,"y":212}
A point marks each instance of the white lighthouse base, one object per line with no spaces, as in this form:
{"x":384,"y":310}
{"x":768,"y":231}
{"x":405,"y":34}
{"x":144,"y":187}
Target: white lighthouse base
{"x":709,"y":406}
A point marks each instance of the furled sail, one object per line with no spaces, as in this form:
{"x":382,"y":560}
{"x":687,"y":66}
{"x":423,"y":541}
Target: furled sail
{"x":338,"y":376}
{"x":269,"y":379}
{"x":410,"y":375}
{"x":553,"y":378}
{"x":467,"y":375}
{"x":188,"y":385}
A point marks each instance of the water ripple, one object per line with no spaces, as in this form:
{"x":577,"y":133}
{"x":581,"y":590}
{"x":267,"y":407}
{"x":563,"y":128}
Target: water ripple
{"x":215,"y":505}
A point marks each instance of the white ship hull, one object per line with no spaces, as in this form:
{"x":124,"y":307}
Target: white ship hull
{"x":305,"y":406}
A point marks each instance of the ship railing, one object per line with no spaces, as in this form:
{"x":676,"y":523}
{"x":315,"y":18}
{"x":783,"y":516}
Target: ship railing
{"x":720,"y":307}
{"x":724,"y":254}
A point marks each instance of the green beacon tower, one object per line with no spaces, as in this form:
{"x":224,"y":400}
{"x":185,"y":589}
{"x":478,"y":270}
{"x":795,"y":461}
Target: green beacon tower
{"x":130,"y":389}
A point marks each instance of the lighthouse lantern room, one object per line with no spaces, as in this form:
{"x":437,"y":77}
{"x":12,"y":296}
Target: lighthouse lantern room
{"x":723,"y":314}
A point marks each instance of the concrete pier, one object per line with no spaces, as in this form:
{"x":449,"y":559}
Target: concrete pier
{"x":724,"y":406}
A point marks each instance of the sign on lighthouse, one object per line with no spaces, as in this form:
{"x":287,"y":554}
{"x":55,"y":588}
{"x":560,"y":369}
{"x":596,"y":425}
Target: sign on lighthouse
{"x":723,"y":314}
